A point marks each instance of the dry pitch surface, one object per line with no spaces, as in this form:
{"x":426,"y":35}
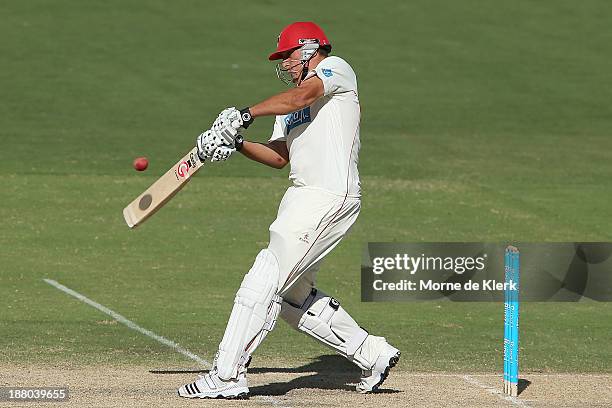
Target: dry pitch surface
{"x":106,"y":386}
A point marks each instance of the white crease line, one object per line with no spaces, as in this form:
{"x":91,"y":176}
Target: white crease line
{"x":586,"y":375}
{"x":524,"y":374}
{"x":144,"y":331}
{"x":129,"y":323}
{"x":495,"y":391}
{"x":273,"y":401}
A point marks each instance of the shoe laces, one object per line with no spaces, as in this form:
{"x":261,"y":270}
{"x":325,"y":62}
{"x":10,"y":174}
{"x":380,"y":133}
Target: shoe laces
{"x":213,"y":371}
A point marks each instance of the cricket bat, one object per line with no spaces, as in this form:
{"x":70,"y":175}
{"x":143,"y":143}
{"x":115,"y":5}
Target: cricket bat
{"x":160,"y":192}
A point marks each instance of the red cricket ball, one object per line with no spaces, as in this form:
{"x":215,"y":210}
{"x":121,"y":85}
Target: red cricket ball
{"x":141,"y":163}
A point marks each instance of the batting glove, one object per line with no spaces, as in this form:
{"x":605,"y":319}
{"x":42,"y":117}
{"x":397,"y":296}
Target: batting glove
{"x":207,"y":143}
{"x":230,"y":121}
{"x":222,"y":153}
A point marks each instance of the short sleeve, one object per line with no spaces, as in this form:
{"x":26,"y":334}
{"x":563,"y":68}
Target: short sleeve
{"x":278,"y":132}
{"x":337,"y":76}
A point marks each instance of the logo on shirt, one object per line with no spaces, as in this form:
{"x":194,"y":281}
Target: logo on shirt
{"x":297,"y":118}
{"x":305,"y":238}
{"x":327,"y":72}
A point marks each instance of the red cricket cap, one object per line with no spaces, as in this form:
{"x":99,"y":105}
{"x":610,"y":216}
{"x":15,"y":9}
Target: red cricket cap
{"x":295,"y":35}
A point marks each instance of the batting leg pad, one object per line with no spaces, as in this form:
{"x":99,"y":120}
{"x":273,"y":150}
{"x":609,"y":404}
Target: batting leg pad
{"x":254,"y":314}
{"x":322,"y":317}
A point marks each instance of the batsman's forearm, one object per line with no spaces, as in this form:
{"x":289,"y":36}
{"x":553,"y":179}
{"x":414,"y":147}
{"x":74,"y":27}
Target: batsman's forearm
{"x":291,"y":100}
{"x":282,"y":104}
{"x":263,"y":154}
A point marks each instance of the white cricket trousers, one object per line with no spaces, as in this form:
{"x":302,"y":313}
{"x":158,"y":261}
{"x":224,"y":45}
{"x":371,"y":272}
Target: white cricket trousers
{"x":310,"y":223}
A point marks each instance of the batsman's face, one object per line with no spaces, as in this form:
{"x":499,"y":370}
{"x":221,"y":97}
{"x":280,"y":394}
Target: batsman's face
{"x":292,"y":64}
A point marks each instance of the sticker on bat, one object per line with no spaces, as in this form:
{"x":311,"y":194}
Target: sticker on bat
{"x":182,"y":170}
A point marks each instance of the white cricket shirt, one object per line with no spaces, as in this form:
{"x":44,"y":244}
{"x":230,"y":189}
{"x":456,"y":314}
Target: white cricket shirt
{"x":323,"y":138}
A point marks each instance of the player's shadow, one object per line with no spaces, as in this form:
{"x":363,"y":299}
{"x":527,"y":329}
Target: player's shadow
{"x":328,"y":372}
{"x":324,"y":363}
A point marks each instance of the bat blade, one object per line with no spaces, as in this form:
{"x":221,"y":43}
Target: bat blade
{"x":164,"y":188}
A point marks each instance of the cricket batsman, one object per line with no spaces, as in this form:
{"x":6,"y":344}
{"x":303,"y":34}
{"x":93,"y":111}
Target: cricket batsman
{"x":317,"y":132}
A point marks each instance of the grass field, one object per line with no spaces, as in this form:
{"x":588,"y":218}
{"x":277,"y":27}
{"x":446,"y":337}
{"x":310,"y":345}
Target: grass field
{"x":482,"y":121}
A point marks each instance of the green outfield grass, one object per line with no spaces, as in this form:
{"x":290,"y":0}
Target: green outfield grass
{"x":482,"y":121}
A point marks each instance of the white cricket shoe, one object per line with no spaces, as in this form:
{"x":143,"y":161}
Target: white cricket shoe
{"x":211,"y":386}
{"x":373,"y":378}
